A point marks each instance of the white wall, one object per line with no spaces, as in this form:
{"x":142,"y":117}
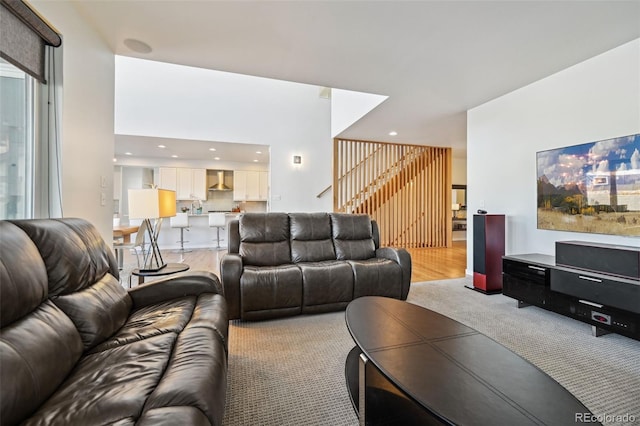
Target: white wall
{"x":459,"y":171}
{"x":348,"y":106}
{"x":594,"y":100}
{"x":87,"y":117}
{"x":167,"y":100}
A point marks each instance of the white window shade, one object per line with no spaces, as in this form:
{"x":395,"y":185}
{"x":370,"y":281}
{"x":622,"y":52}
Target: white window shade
{"x":23,"y":35}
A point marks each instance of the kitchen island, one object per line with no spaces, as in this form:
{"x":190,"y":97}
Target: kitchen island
{"x":200,"y":234}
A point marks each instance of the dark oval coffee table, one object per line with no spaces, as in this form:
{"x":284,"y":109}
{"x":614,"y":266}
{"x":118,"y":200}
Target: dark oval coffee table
{"x":415,"y":366}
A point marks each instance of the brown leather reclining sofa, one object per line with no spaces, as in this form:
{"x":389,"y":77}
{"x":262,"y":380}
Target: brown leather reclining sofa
{"x":281,"y":264}
{"x":76,"y":348}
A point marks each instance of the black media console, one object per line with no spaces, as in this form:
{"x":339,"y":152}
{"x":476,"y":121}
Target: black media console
{"x":594,"y":291}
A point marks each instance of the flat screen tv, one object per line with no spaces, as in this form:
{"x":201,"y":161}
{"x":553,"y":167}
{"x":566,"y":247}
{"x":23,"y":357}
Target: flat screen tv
{"x":593,"y":187}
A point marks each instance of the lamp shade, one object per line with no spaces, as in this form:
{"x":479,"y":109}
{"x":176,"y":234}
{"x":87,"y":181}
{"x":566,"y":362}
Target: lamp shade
{"x":151,"y":203}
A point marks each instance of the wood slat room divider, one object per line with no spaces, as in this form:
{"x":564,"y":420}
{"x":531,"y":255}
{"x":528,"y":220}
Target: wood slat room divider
{"x":405,"y":188}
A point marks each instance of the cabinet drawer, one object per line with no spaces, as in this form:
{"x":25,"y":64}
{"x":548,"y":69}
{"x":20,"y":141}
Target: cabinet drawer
{"x":536,"y":274}
{"x":525,"y":290}
{"x":617,"y":293}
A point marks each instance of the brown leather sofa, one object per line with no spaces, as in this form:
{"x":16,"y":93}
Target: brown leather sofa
{"x":77,"y":348}
{"x":281,"y":264}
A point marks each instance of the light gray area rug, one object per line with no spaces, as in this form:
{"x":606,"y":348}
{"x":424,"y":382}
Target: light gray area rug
{"x":291,"y":371}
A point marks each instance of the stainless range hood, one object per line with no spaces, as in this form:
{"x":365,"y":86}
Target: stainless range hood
{"x":220,"y":186}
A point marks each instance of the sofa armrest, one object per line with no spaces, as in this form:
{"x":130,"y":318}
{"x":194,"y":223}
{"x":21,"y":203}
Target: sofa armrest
{"x":230,"y":273}
{"x":402,"y":258}
{"x":179,"y":285}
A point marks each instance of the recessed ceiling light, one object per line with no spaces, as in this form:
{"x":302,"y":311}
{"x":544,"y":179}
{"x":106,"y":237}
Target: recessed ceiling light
{"x":115,"y":159}
{"x":128,"y":153}
{"x":137,"y":45}
{"x":161,"y":146}
{"x":174,"y":156}
{"x":258,"y":152}
{"x":255,"y":161}
{"x":216,"y":158}
{"x":212,"y":149}
{"x":393,"y":133}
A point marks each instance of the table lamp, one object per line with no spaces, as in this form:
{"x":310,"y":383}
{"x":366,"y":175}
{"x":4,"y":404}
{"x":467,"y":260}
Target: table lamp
{"x":152,"y":204}
{"x":455,"y":207}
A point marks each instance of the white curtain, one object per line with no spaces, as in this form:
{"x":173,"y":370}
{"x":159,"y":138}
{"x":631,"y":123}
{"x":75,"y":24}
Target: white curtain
{"x":48,"y":149}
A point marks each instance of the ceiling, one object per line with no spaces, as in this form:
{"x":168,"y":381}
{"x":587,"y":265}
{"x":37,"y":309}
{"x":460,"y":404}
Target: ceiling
{"x":434,"y":59}
{"x":182,"y":149}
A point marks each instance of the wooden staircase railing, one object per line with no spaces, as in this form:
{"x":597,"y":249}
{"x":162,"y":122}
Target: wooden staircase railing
{"x":405,"y":188}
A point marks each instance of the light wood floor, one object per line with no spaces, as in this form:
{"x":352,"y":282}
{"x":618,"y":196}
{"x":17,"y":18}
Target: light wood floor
{"x":427,"y":264}
{"x":439,"y":263}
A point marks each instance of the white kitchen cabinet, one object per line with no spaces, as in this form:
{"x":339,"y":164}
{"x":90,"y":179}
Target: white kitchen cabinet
{"x":191,"y":184}
{"x":199,"y":183}
{"x":253,"y":186}
{"x":183,"y":186}
{"x":263,"y":193}
{"x":249,"y":185}
{"x":240,"y":185}
{"x":166,"y":178}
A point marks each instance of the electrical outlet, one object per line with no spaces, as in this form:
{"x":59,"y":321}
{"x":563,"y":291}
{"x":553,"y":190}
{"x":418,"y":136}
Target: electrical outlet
{"x":103,"y":199}
{"x":103,"y":181}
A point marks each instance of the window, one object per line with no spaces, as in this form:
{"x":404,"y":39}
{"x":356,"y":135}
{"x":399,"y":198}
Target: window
{"x":17,"y":91}
{"x":29,"y":114}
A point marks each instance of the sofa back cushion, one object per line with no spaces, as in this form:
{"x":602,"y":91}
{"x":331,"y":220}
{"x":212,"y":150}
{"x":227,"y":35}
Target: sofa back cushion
{"x":39,"y":344}
{"x":23,"y":277}
{"x":264,"y":239}
{"x":311,"y":237}
{"x":97,"y":311}
{"x":82,"y":274}
{"x":352,"y":236}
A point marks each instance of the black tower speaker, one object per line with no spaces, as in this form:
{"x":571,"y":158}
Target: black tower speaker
{"x":488,"y":249}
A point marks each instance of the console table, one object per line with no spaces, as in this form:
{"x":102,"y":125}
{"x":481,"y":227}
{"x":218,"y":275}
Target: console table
{"x":606,"y":302}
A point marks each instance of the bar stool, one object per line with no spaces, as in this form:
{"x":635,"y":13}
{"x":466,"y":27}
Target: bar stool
{"x":217,"y":220}
{"x":181,"y":220}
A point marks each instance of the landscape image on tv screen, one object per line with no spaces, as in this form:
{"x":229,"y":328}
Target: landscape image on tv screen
{"x":593,"y":187}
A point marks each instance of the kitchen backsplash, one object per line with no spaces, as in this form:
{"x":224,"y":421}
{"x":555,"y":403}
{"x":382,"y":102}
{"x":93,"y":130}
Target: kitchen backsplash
{"x":222,"y":204}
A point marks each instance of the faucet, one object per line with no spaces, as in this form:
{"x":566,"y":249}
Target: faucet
{"x":195,"y":205}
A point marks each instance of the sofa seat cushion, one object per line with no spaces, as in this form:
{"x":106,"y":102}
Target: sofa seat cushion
{"x":326,"y":286}
{"x":268,"y":292}
{"x":170,"y":316}
{"x":108,"y":386}
{"x":171,"y":416}
{"x":376,"y":277}
{"x":196,"y":375}
{"x":180,"y":364}
{"x":37,"y":352}
{"x":211,"y":312}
